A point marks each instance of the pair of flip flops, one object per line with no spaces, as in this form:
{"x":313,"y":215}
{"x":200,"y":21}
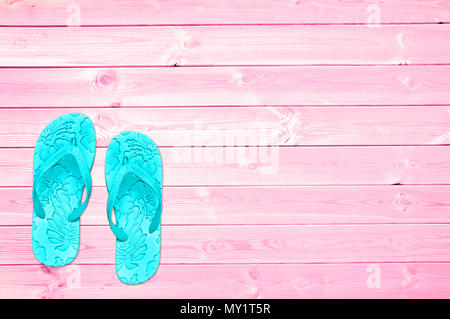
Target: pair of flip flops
{"x":63,"y":158}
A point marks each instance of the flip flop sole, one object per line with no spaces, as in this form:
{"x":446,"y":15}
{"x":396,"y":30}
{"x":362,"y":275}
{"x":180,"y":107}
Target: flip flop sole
{"x":55,"y":240}
{"x":136,"y":205}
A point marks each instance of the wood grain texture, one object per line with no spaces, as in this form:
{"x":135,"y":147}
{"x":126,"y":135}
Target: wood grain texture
{"x":225,"y":45}
{"x":222,"y":86}
{"x":398,"y":280}
{"x":271,"y":166}
{"x":258,"y":244}
{"x":246,"y":126}
{"x":280,"y":205}
{"x":352,"y":96}
{"x":110,"y":12}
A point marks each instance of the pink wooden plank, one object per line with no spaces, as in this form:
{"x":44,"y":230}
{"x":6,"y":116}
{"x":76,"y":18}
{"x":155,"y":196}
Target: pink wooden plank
{"x":110,"y":12}
{"x":397,"y":280}
{"x":229,"y":126}
{"x":258,"y":244}
{"x":225,"y":45}
{"x":271,"y":166}
{"x":308,"y":85}
{"x":285,"y":205}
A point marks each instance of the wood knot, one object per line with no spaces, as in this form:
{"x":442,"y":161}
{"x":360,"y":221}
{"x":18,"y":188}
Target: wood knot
{"x":46,"y":269}
{"x":410,"y":81}
{"x":405,"y":40}
{"x":217,"y":245}
{"x":191,"y":42}
{"x":106,"y":80}
{"x":254,"y":274}
{"x":242,"y":79}
{"x":403,"y":203}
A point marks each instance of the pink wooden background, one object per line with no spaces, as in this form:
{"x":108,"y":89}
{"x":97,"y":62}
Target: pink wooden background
{"x":305,"y":143}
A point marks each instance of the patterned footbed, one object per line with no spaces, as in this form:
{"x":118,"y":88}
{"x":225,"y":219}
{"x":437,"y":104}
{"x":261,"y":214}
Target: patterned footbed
{"x":55,"y":240}
{"x":136,"y":204}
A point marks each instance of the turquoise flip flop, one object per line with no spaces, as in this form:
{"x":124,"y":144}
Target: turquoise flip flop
{"x":133,"y":172}
{"x":63,"y":158}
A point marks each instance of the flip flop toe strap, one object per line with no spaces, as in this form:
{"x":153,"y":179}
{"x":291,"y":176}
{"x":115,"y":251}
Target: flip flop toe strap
{"x":77,"y":156}
{"x":142,"y":175}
